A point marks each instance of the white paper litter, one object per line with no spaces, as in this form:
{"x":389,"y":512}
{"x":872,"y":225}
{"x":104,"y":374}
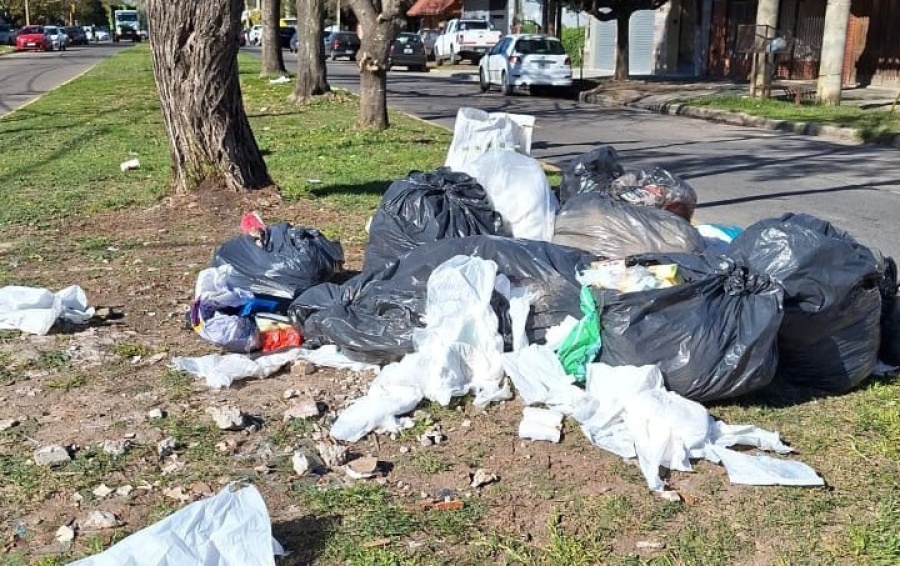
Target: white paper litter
{"x":759,"y":469}
{"x":458,"y":352}
{"x":130,"y":165}
{"x":231,"y":528}
{"x":540,"y":424}
{"x":35,"y":310}
{"x":222,"y":370}
{"x":280,"y":80}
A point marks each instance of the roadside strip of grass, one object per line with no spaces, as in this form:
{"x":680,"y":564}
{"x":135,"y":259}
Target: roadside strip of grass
{"x":873,"y":124}
{"x":7,"y":49}
{"x":87,"y":127}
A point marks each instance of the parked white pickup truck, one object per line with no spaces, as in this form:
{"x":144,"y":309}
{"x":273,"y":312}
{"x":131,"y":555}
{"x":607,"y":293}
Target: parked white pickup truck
{"x":465,"y":39}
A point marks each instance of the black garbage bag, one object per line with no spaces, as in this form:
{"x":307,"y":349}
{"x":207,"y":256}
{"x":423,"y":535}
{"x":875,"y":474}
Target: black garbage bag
{"x":830,"y":336}
{"x":658,"y":188}
{"x":889,"y":352}
{"x":590,"y":172}
{"x":372,"y":316}
{"x":713,"y":336}
{"x":425,"y":208}
{"x":611,"y":229}
{"x":286,"y":261}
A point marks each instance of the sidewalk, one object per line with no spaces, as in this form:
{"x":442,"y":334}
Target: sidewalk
{"x":668,"y":96}
{"x":665,"y":96}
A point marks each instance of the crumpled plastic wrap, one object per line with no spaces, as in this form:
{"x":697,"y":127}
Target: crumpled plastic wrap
{"x":35,"y":310}
{"x":477,"y":132}
{"x":231,"y":528}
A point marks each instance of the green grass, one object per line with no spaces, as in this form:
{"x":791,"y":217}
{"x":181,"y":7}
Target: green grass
{"x":873,"y":124}
{"x":4,"y":49}
{"x":88,"y":127}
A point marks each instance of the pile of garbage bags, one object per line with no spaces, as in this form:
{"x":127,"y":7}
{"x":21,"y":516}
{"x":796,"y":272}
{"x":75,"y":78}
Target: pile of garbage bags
{"x":480,"y":270}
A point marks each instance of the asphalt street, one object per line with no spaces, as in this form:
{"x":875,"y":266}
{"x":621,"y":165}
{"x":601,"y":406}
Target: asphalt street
{"x":741,"y":174}
{"x":27,"y":75}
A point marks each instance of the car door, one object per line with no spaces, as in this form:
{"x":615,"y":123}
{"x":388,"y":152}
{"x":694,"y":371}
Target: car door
{"x":497,"y":60}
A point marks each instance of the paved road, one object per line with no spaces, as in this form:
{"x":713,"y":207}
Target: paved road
{"x":741,"y":174}
{"x":26,"y":76}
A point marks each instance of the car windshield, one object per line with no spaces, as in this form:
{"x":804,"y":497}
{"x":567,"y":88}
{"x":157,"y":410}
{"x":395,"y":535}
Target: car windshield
{"x":127,"y":17}
{"x":31,"y":30}
{"x":540,"y":46}
{"x":473,"y":24}
{"x":344,"y":36}
{"x":408,"y":38}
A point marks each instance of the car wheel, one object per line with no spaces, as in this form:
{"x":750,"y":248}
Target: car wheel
{"x":504,"y":85}
{"x":483,"y":84}
{"x":423,"y":68}
{"x":438,"y":60}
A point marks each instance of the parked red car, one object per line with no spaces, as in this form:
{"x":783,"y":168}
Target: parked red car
{"x":32,"y":37}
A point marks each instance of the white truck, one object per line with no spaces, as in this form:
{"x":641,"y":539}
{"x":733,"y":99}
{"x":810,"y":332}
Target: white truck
{"x":126,"y":25}
{"x":465,"y":39}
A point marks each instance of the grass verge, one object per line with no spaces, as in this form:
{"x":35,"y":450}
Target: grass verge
{"x":872,"y":124}
{"x":7,"y":49}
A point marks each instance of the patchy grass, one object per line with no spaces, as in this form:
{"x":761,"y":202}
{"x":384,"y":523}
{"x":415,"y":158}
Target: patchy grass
{"x":6,"y":49}
{"x":873,"y":124}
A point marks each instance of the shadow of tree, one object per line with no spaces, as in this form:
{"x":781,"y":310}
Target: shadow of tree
{"x":305,"y":538}
{"x":375,"y":188}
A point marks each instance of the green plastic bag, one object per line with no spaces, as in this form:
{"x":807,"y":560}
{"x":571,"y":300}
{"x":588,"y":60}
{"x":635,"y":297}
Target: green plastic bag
{"x":582,"y":344}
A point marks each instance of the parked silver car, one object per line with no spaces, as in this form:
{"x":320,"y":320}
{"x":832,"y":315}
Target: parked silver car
{"x":58,"y":37}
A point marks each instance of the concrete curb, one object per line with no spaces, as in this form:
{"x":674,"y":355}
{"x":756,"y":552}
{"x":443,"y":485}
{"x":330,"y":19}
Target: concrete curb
{"x":825,"y":131}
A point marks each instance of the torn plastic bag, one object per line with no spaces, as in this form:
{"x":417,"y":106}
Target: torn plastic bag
{"x":830,"y":336}
{"x":35,"y":310}
{"x":713,"y":336}
{"x":476,"y":132}
{"x":518,"y":189}
{"x":611,"y":229}
{"x":718,"y":236}
{"x":373,"y":315}
{"x":581,"y":345}
{"x":425,"y":208}
{"x":655,"y":187}
{"x":214,"y":313}
{"x":889,"y":352}
{"x":283,"y":263}
{"x":231,"y":528}
{"x":591,"y":172}
{"x":540,"y":424}
{"x":759,"y":469}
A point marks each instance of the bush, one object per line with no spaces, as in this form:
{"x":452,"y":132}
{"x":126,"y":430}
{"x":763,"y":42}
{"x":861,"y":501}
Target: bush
{"x":573,"y":41}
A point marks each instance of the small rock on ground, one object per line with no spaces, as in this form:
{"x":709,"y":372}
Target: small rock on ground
{"x":102,"y":490}
{"x":302,"y":408}
{"x":156,"y":414}
{"x":300,"y":463}
{"x":53,"y":455}
{"x":362,"y":468}
{"x":65,"y":534}
{"x":227,"y":418}
{"x":482,"y":477}
{"x":7,"y":424}
{"x":99,"y":520}
{"x":333,"y":455}
{"x":116,"y":448}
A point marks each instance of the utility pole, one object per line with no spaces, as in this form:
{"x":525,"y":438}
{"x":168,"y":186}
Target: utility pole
{"x":337,"y":15}
{"x":27,"y":15}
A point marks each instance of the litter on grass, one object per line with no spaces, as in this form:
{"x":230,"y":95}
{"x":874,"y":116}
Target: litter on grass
{"x":34,"y":310}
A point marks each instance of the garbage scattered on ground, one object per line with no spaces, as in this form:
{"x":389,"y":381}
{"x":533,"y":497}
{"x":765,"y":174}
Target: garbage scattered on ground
{"x":657,"y":188}
{"x":482,"y":477}
{"x":130,"y":165}
{"x":583,"y":342}
{"x":35,"y":311}
{"x":592,"y":172}
{"x":280,"y":80}
{"x":889,"y":351}
{"x":230,"y":528}
{"x":540,"y":424}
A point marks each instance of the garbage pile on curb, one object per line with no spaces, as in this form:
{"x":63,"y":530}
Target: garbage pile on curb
{"x":602,"y":303}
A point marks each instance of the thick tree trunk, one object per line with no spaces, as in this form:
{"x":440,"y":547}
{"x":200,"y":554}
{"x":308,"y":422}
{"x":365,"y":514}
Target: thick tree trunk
{"x":378,"y":30}
{"x":194,"y":46}
{"x":312,"y":78}
{"x":622,"y":70}
{"x":272,"y":59}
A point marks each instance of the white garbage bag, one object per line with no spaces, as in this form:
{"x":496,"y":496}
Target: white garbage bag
{"x":35,"y":310}
{"x":476,"y":132}
{"x":518,"y":189}
{"x":231,"y":528}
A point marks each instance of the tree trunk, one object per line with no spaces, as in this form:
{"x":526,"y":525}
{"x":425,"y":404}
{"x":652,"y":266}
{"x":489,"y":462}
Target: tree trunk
{"x":272,"y":59}
{"x":378,"y":30}
{"x":622,"y":70}
{"x":837,"y":18}
{"x":194,"y":47}
{"x":312,"y":78}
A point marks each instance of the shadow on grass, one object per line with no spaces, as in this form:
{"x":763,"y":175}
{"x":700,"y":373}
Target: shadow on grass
{"x":780,"y":395}
{"x":375,"y":188}
{"x":305,"y":538}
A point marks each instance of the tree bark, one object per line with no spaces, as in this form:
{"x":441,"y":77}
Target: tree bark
{"x":272,"y":58}
{"x":378,"y":29}
{"x":831,"y":66}
{"x":622,"y":70}
{"x":312,"y":77}
{"x":194,"y":48}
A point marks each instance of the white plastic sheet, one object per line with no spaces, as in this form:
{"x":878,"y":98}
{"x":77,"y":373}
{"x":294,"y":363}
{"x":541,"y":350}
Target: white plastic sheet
{"x":222,"y":370}
{"x":518,"y":189}
{"x":540,"y":424}
{"x":231,"y":528}
{"x":458,"y":352}
{"x":476,"y":132}
{"x":35,"y":310}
